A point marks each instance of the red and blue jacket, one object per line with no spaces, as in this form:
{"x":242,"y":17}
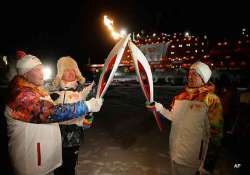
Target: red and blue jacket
{"x":31,"y":103}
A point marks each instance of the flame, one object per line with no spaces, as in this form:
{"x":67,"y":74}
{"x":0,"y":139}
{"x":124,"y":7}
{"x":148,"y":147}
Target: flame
{"x":116,"y":35}
{"x":109,"y":23}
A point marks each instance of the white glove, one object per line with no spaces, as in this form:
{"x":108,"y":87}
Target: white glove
{"x":159,"y":107}
{"x":165,"y":112}
{"x":94,"y":104}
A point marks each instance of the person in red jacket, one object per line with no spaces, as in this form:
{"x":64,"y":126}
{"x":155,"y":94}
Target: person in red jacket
{"x":196,"y":124}
{"x":35,"y":139}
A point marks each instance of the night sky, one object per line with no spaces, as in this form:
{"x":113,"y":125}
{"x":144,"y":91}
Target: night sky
{"x":50,"y":30}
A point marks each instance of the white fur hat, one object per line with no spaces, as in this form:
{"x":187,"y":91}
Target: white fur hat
{"x":26,"y":62}
{"x":67,"y":63}
{"x":203,"y":70}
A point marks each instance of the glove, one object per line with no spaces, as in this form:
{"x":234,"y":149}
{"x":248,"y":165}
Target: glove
{"x":159,"y":107}
{"x":163,"y":111}
{"x":94,"y":104}
{"x":87,"y":121}
{"x":150,"y":105}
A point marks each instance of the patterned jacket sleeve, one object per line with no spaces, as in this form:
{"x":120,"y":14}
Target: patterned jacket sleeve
{"x":68,"y":111}
{"x":215,"y":113}
{"x":28,"y":107}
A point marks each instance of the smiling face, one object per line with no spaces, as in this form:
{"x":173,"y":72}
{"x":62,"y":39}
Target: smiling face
{"x":69,"y":75}
{"x":194,"y":79}
{"x":35,"y":75}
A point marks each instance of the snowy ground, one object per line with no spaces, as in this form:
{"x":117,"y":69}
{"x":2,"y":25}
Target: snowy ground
{"x":125,"y":140}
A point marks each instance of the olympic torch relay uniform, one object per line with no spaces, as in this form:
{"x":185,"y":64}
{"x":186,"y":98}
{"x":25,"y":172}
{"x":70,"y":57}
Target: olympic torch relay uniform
{"x":196,"y":117}
{"x":71,"y":95}
{"x":36,"y":148}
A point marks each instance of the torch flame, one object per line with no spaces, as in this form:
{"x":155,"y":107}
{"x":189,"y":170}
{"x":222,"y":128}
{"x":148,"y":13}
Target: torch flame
{"x":109,"y":23}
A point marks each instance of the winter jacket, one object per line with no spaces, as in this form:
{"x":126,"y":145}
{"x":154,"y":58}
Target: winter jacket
{"x":72,"y":130}
{"x":33,"y":148}
{"x":32,"y":104}
{"x":36,"y":148}
{"x":196,"y":117}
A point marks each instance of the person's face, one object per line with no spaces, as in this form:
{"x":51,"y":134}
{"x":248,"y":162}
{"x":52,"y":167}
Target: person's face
{"x":69,"y":75}
{"x":194,"y":79}
{"x":35,"y":75}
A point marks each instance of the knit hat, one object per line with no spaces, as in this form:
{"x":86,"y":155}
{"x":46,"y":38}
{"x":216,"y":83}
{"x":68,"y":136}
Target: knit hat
{"x":67,"y":63}
{"x":26,"y":62}
{"x":203,"y":70}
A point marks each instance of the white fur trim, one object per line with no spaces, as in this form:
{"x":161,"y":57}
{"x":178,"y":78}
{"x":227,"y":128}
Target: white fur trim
{"x":67,"y":63}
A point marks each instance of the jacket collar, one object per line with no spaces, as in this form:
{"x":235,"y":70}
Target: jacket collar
{"x":20,"y":82}
{"x":207,"y":88}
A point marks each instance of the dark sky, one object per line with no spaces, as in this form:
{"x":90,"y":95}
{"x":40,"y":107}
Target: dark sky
{"x":53,"y":29}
